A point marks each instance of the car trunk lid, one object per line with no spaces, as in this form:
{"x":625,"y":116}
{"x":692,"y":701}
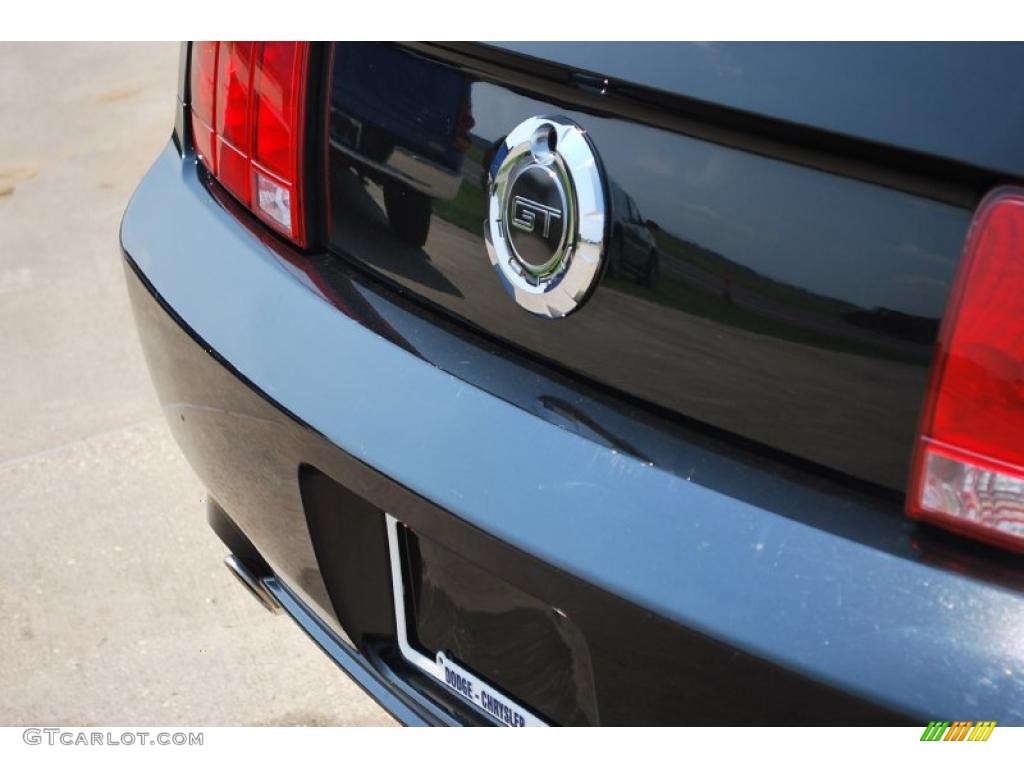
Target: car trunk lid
{"x":765,"y":289}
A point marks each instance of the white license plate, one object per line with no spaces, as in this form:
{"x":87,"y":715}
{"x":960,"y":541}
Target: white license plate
{"x":485,"y":697}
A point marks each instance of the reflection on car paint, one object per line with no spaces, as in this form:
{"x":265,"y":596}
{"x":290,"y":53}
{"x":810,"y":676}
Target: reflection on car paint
{"x":713,"y":253}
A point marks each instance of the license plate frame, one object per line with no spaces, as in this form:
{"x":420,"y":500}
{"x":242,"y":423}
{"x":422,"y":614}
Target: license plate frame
{"x":494,"y":704}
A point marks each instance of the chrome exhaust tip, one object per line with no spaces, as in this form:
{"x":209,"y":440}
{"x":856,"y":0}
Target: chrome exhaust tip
{"x":253,"y":585}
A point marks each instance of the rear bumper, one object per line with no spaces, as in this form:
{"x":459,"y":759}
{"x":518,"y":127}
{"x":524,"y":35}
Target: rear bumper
{"x":723,"y":610}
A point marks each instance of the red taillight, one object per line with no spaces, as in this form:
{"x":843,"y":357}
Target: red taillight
{"x":233,"y":126}
{"x":248,"y":108}
{"x":204,"y":76}
{"x":968,"y":472}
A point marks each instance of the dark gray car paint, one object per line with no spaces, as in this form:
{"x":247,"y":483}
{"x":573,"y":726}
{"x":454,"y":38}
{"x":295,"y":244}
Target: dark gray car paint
{"x":914,"y":637}
{"x":789,"y":306}
{"x":959,"y":101}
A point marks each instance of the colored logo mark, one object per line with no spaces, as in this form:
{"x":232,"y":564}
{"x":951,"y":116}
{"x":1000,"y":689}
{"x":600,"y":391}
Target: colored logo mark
{"x":961,"y":730}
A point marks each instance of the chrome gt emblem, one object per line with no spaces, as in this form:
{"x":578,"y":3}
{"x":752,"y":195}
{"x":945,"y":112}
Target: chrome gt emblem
{"x":525,"y":212}
{"x":545,"y":229}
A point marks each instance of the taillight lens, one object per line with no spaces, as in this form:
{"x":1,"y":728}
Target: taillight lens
{"x":204,"y":76}
{"x":248,"y":109}
{"x":968,"y":472}
{"x":233,"y":126}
